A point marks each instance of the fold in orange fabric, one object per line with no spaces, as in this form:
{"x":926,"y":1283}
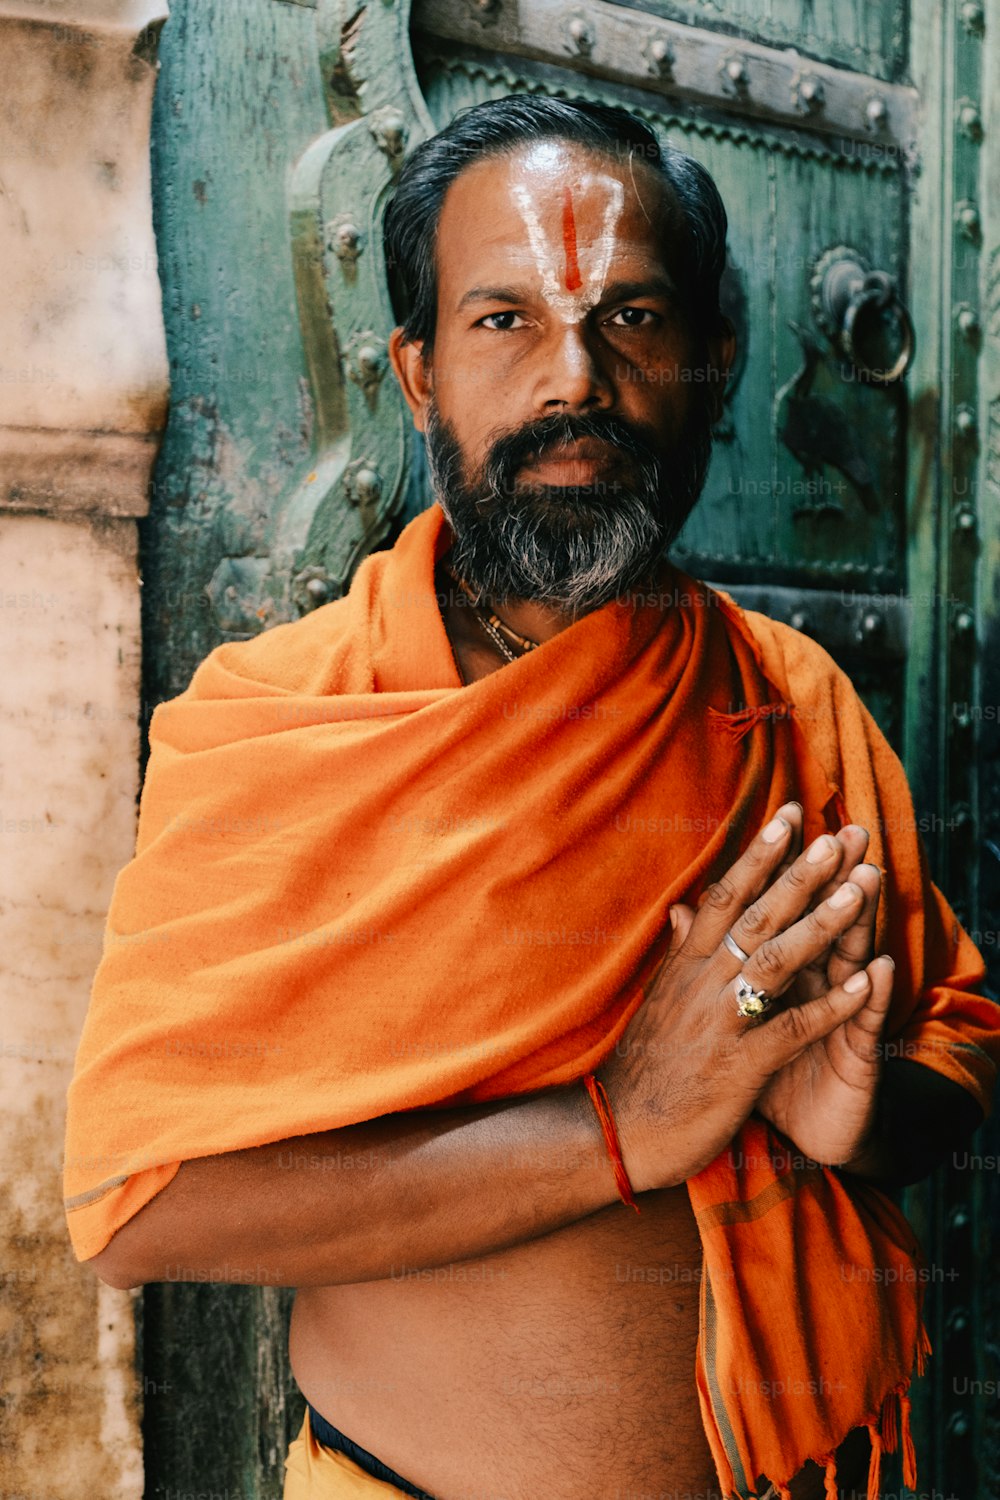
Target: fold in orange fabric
{"x":361,"y":887}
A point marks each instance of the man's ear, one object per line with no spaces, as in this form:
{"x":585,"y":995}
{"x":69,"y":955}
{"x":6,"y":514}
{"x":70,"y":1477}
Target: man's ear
{"x":721,"y":353}
{"x":413,"y":375}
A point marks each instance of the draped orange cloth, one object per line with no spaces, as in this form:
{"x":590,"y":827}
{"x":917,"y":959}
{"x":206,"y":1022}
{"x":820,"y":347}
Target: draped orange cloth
{"x":462,"y":890}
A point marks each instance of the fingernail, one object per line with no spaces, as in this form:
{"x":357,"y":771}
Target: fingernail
{"x":822,"y":848}
{"x":772,"y":833}
{"x":856,"y":982}
{"x":844,"y":893}
{"x":888,"y":958}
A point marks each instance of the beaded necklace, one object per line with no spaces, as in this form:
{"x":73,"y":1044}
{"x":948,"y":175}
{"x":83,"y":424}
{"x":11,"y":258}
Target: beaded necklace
{"x":500,"y":633}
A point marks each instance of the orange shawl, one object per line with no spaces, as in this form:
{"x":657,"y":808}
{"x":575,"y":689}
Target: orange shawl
{"x":463,"y":889}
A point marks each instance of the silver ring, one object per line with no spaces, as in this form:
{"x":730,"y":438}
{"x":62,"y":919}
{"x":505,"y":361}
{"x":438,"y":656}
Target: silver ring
{"x":750,"y":1003}
{"x":735,"y":948}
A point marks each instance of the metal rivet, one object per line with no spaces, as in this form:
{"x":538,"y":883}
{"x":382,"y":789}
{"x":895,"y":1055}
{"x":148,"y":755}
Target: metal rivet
{"x":346,"y":242}
{"x":581,"y":34}
{"x":799,"y":620}
{"x":390,"y":131}
{"x":958,"y":1424}
{"x":312,"y":587}
{"x":876,"y":113}
{"x":957,"y":1321}
{"x":968,"y":221}
{"x":809,"y":94}
{"x":369,"y":359}
{"x":367,"y":485}
{"x":968,"y":321}
{"x":735,"y":70}
{"x":965,"y":421}
{"x":965,"y":518}
{"x":661,"y":56}
{"x":366,"y":361}
{"x":974,"y":17}
{"x":964,"y":621}
{"x":970,"y":121}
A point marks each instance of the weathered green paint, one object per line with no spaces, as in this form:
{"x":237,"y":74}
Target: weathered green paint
{"x":238,"y":99}
{"x":273,"y":133}
{"x":869,"y":38}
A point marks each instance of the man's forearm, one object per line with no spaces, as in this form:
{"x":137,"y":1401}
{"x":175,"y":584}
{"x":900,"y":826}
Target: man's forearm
{"x":418,"y":1189}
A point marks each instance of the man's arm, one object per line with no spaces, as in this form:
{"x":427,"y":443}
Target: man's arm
{"x":426,"y":1188}
{"x":417,"y":1189}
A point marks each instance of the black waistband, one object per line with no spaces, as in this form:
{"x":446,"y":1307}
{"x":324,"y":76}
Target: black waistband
{"x":331,"y":1437}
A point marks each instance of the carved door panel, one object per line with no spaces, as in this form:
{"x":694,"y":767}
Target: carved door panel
{"x":844,"y":489}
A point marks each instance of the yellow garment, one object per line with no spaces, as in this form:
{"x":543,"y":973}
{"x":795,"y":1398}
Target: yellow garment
{"x":313,"y":1472}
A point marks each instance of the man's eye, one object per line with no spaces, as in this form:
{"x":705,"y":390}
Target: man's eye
{"x":633,"y":317}
{"x":495,"y":320}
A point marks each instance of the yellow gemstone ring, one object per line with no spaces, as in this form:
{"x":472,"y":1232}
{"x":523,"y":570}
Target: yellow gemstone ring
{"x":750,"y":1003}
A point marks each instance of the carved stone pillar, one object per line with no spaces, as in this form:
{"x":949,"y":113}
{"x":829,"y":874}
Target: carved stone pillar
{"x":83,"y":389}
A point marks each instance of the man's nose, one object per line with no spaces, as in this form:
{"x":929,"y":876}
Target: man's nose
{"x":571,"y":376}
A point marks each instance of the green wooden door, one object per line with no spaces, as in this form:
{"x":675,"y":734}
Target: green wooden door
{"x":845,"y":503}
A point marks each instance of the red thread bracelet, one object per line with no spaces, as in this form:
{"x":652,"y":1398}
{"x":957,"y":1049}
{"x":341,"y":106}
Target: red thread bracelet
{"x":599,"y":1097}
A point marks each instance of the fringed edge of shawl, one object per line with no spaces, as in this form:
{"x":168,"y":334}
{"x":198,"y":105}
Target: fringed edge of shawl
{"x":888,"y":1428}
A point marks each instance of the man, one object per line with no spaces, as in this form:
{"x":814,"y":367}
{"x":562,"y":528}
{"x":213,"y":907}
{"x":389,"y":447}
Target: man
{"x":407,"y":1042}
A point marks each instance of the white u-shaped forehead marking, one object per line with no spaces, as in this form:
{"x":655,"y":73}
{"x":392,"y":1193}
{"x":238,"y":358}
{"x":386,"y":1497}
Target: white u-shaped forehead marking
{"x":569,"y":307}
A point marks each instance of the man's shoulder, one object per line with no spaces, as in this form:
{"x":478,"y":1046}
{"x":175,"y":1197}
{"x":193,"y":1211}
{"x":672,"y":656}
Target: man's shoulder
{"x":296,"y":656}
{"x":805,"y":667}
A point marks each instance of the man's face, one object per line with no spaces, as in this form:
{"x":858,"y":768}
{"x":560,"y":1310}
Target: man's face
{"x":567,"y":403}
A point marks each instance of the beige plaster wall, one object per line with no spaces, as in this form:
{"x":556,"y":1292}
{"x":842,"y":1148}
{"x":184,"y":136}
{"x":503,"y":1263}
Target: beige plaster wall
{"x":83,"y":387}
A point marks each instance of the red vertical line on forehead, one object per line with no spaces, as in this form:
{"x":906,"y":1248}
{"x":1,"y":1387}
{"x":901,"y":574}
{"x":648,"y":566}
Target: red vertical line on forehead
{"x":573,"y":278}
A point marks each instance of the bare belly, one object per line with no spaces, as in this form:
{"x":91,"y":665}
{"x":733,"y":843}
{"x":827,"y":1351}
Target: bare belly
{"x":563,"y":1367}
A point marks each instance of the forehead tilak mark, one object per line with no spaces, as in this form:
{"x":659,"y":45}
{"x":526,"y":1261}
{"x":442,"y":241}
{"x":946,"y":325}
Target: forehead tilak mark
{"x":573,"y":278}
{"x":572,"y":308}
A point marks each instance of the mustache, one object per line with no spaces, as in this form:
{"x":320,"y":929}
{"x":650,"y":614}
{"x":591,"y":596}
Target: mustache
{"x":510,"y":451}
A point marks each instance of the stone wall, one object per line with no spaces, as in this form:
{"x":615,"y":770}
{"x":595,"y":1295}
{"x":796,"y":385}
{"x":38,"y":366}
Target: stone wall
{"x":83,"y":391}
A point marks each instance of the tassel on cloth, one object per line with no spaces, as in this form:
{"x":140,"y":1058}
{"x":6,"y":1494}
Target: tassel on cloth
{"x":909,"y":1452}
{"x":739,"y":723}
{"x":875,"y":1466}
{"x":829,"y":1462}
{"x":923,"y":1347}
{"x":887,"y":1424}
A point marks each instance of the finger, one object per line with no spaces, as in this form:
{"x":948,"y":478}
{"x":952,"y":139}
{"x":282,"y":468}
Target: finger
{"x":795,"y":815}
{"x":854,"y":840}
{"x":853,"y":949}
{"x":869,"y":1023}
{"x":681,"y":917}
{"x":775,"y":964}
{"x":856,"y":1045}
{"x":774,"y":1042}
{"x":787,"y":897}
{"x":723,"y":901}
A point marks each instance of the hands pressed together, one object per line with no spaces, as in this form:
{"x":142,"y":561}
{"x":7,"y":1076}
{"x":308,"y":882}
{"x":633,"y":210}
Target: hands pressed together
{"x":689,"y":1069}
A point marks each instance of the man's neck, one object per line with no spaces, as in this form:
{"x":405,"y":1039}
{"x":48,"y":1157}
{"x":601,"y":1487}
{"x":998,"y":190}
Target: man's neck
{"x":538,"y":622}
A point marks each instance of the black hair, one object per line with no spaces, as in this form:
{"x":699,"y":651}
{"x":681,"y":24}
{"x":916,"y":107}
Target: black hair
{"x":502,"y":125}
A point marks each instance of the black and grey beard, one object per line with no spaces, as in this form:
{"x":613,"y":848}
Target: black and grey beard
{"x":573,"y":547}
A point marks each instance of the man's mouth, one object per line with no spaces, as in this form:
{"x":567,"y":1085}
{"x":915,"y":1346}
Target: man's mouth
{"x":576,"y":463}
